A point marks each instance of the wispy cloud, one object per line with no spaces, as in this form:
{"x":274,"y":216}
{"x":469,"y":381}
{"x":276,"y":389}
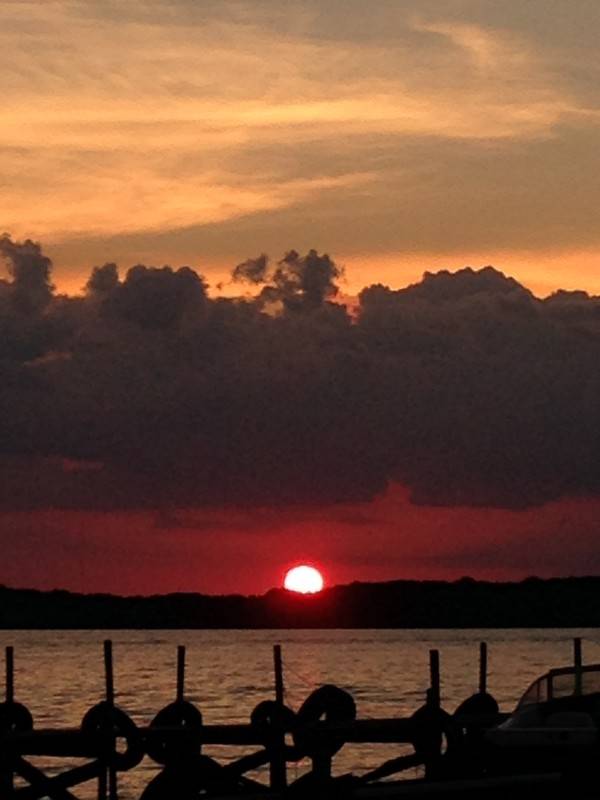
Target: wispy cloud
{"x":155,"y":116}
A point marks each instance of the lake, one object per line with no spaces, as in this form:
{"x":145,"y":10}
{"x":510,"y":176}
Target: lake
{"x":59,"y":675}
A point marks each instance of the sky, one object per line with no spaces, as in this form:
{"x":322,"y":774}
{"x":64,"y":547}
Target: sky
{"x":399,"y":136}
{"x":202,"y":427}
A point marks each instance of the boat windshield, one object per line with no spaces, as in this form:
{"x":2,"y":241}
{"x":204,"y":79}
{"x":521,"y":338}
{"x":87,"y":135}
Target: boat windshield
{"x":564,"y":682}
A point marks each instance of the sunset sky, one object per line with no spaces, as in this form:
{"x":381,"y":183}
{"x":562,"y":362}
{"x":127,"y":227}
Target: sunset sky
{"x":400,"y":136}
{"x":154,"y":438}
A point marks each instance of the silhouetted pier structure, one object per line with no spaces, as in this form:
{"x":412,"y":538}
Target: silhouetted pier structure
{"x":448,"y":747}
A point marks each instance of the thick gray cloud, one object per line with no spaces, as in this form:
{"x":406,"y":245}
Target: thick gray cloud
{"x":145,"y":392}
{"x":30,"y":290}
{"x":296,"y":282}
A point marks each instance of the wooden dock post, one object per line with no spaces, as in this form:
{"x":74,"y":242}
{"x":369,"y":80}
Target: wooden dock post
{"x":434,"y":673}
{"x":433,"y":701}
{"x":578,"y":662}
{"x":278,"y":667}
{"x":180,"y":672}
{"x":278,"y":775}
{"x":6,"y":770}
{"x":108,"y":673}
{"x":10,"y":674}
{"x":483,"y":667}
{"x":107,"y":779}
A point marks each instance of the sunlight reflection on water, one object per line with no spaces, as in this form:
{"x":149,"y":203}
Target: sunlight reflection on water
{"x":59,"y":674}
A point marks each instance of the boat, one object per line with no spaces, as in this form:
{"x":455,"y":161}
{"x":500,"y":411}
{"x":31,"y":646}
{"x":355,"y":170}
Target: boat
{"x":555,"y":726}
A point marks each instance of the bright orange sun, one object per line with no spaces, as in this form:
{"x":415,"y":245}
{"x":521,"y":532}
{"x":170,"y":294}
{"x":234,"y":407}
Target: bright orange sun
{"x":303,"y":579}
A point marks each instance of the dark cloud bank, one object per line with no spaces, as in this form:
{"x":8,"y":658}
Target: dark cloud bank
{"x":145,"y":392}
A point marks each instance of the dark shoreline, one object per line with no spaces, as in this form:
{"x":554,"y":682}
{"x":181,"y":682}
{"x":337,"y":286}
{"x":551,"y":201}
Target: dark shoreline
{"x":466,"y":603}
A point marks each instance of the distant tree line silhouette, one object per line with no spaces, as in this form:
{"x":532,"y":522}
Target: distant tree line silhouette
{"x":532,"y":603}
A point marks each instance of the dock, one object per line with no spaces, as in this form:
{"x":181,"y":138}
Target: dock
{"x":449,"y":749}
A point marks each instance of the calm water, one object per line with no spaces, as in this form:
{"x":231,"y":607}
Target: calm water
{"x":59,"y":674}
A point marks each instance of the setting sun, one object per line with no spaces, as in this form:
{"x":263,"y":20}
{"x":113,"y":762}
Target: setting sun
{"x":303,"y":579}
